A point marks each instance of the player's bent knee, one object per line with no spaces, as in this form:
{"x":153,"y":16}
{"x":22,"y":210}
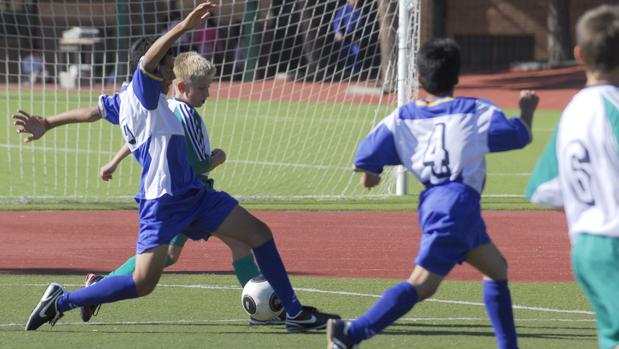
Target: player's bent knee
{"x":261,"y":233}
{"x":500,"y":272}
{"x":145,"y":286}
{"x":425,"y":291}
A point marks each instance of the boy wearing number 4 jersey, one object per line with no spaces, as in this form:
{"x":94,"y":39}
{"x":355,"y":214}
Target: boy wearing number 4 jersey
{"x":579,"y":170}
{"x":443,"y":141}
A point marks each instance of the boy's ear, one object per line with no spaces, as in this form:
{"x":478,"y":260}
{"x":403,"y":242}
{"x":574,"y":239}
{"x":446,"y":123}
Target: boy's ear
{"x":578,"y":54}
{"x":180,"y":86}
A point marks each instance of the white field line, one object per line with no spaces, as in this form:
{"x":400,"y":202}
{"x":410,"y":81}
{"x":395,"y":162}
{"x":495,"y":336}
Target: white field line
{"x":226,"y":321}
{"x":346,"y":293}
{"x":233,"y":161}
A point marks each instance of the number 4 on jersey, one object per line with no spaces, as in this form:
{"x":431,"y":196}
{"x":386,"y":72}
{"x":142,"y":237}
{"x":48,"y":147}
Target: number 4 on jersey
{"x":435,"y":155}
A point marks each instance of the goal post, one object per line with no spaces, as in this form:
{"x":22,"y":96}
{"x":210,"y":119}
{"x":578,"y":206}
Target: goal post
{"x":289,"y":104}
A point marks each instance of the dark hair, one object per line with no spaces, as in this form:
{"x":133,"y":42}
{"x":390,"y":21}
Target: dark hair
{"x":139,"y":48}
{"x":438,"y":64}
{"x":597,"y":33}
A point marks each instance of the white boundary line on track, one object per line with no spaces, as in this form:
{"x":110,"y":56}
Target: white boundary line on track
{"x":314,"y":290}
{"x":225,"y":321}
{"x":346,"y":293}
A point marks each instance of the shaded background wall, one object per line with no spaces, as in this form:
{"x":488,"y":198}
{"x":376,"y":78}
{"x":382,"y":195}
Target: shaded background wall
{"x":289,"y":33}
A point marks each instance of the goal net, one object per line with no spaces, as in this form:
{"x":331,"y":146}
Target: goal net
{"x":299,"y":83}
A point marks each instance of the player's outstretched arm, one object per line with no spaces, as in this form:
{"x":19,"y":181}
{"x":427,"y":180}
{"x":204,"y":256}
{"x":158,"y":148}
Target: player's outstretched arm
{"x":528,"y":103}
{"x":218,"y":157}
{"x":37,"y":125}
{"x":106,"y":171}
{"x":157,"y":51}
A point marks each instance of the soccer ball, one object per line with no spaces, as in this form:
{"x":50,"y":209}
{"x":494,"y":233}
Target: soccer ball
{"x":260,"y":301}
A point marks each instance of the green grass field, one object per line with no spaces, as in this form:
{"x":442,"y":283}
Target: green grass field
{"x":287,"y":151}
{"x":276,"y":151}
{"x":204,"y":311}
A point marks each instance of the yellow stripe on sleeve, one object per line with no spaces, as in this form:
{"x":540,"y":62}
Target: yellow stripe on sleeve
{"x":150,"y":75}
{"x":100,"y":108}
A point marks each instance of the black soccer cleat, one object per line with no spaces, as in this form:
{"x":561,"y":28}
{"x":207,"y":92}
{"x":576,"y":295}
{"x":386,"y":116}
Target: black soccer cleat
{"x":277,"y":320}
{"x":88,"y":311}
{"x":46,"y":310}
{"x":337,"y":337}
{"x":309,"y":319}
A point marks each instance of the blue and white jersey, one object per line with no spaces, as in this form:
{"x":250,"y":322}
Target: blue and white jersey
{"x":154,"y":135}
{"x":579,"y":169}
{"x":444,"y":140}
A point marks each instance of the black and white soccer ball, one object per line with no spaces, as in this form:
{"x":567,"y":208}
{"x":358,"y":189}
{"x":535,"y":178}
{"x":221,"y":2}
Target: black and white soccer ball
{"x":260,"y":301}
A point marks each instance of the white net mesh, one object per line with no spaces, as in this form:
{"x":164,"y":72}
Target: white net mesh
{"x":289,"y":104}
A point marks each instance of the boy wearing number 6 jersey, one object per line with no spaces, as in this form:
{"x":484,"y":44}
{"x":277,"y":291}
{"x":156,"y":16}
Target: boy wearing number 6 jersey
{"x":443,"y":141}
{"x":579,"y":170}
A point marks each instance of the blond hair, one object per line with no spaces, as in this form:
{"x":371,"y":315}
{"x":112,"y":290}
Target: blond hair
{"x":191,"y":67}
{"x":597,"y":33}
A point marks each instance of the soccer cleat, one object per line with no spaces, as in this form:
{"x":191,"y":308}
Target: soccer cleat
{"x":278,"y":320}
{"x":88,"y":311}
{"x":309,"y":319}
{"x":46,"y":310}
{"x":337,"y":337}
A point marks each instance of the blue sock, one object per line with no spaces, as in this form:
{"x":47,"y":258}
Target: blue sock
{"x":109,"y":289}
{"x":394,"y":303}
{"x":270,"y":263}
{"x":498,"y":303}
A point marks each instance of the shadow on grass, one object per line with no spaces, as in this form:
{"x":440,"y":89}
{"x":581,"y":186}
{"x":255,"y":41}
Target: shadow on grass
{"x":417,"y":329}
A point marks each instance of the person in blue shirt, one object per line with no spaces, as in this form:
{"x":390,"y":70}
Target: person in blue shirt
{"x":443,"y":141}
{"x":171,"y":198}
{"x":193,"y":76}
{"x":347,"y":27}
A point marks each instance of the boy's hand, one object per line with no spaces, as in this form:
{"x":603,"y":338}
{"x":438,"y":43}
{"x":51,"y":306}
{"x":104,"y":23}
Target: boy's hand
{"x":369,"y":180}
{"x":218,"y":157}
{"x":198,"y":16}
{"x":33,"y":124}
{"x":528,"y":101}
{"x":106,"y":171}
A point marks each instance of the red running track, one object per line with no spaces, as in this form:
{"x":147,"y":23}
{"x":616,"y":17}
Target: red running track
{"x":342,"y":244}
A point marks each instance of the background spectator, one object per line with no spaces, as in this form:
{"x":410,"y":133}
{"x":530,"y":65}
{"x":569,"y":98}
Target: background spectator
{"x":347,"y":27}
{"x":33,"y":66}
{"x":184,"y":43}
{"x":207,"y":40}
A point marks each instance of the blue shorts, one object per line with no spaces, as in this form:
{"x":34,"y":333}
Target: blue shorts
{"x":196,"y":214}
{"x":451,"y":224}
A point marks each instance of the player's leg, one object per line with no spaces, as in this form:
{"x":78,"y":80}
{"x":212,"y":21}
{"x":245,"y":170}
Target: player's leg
{"x":245,"y":269}
{"x":242,"y":226}
{"x":148,"y":269}
{"x":243,"y":262}
{"x":127,"y":268}
{"x":497,"y":298}
{"x":393,"y":304}
{"x":594,"y":260}
{"x":174,"y":252}
{"x":149,"y":266}
{"x":175,"y":249}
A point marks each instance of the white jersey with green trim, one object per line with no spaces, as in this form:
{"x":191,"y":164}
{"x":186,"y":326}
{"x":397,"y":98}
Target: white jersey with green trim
{"x":583,"y":176}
